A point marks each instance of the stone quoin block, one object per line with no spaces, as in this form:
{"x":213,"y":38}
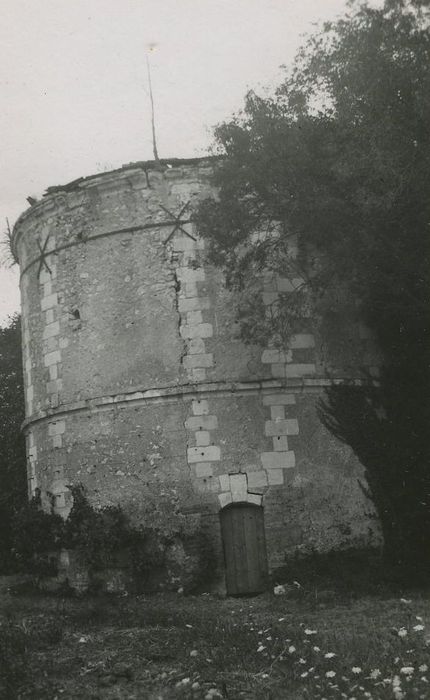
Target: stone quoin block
{"x":278,"y":460}
{"x":201,"y":330}
{"x":203,"y":469}
{"x":54,"y":386}
{"x":185,"y":243}
{"x":257,"y":479}
{"x":188,"y":274}
{"x":193,"y":304}
{"x":196,"y":346}
{"x":45,"y":275}
{"x":301,"y":341}
{"x":195,"y":361}
{"x":275,"y":477}
{"x":224,"y":499}
{"x":50,"y":316}
{"x":280,"y":443}
{"x":278,"y":370}
{"x":194,"y":317}
{"x":254,"y":498}
{"x":201,"y":423}
{"x":48,"y":302}
{"x":238,"y":487}
{"x":198,"y":374}
{"x":51,"y":330}
{"x":224,"y":482}
{"x":273,"y":355}
{"x":299,"y":370}
{"x":57,"y":427}
{"x":277,"y":412}
{"x":279,"y":399}
{"x":200,"y":407}
{"x":51,"y":358}
{"x":203,"y":438}
{"x":49,"y":344}
{"x":211,"y":453}
{"x":47,"y":289}
{"x":289,"y":426}
{"x":53,"y":372}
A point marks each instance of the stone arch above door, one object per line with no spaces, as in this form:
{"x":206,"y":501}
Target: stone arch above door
{"x":235,"y":490}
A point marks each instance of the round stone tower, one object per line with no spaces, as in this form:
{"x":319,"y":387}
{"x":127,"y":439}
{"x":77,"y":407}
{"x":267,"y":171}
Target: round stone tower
{"x":138,"y":386}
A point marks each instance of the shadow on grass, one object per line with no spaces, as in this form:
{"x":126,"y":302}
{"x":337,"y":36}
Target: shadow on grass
{"x":353,"y":572}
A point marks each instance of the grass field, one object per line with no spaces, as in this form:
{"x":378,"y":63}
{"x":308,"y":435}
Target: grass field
{"x":302,"y":645}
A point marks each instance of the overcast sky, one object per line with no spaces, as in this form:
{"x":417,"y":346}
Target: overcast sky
{"x":73,"y":85}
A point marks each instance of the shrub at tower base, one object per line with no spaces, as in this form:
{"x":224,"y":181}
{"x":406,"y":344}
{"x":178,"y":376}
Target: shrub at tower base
{"x":98,"y":549}
{"x":328,"y":180}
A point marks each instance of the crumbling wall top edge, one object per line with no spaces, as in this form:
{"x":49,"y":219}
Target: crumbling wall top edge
{"x":48,"y":199}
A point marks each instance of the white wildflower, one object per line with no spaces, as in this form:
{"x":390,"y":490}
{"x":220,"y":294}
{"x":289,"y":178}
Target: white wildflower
{"x":308,"y":631}
{"x":261,"y":648}
{"x":302,"y":661}
{"x":417,"y":617}
{"x":291,"y":649}
{"x":330,"y":674}
{"x":375,"y":673}
{"x":402,"y":632}
{"x":329,"y":655}
{"x":423,"y":668}
{"x":418,"y":628}
{"x":356,"y":670}
{"x":316,"y":648}
{"x":269,"y":639}
{"x":193,"y":652}
{"x":407,"y":670}
{"x":304,"y":675}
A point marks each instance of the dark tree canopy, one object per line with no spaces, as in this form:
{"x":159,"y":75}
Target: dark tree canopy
{"x":13,"y":488}
{"x":336,"y":164}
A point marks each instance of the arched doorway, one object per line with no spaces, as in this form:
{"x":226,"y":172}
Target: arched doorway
{"x":242,"y":529}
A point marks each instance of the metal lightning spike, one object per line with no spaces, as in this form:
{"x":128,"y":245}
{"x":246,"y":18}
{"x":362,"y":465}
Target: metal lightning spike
{"x":151,"y":97}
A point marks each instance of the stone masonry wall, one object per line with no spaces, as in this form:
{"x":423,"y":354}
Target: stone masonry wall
{"x":137,"y":382}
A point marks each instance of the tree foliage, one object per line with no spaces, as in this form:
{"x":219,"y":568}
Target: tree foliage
{"x":13,"y":488}
{"x":327,"y":180}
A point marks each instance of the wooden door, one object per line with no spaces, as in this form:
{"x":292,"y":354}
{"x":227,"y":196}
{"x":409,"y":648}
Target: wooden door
{"x":242,"y":529}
